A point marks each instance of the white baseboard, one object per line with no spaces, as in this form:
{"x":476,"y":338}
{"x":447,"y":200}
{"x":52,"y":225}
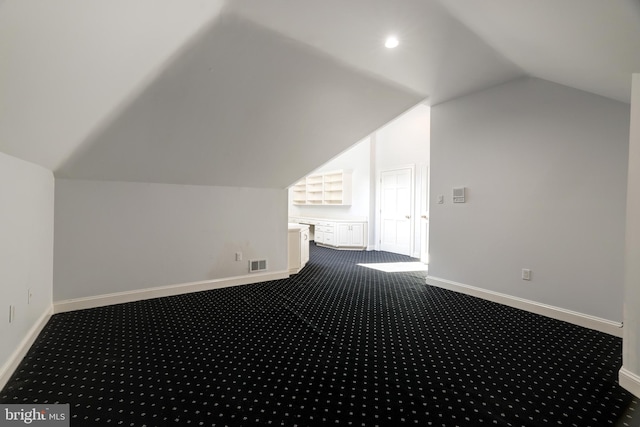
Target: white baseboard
{"x":163,"y":291}
{"x":121,"y":297}
{"x":629,"y":381}
{"x":592,"y":322}
{"x":14,"y":360}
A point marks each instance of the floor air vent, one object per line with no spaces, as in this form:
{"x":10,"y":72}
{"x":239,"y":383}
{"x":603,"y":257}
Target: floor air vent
{"x":257,"y":265}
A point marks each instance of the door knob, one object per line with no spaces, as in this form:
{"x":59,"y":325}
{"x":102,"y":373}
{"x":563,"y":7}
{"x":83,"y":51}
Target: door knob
{"x":424,"y":217}
{"x":407,"y":216}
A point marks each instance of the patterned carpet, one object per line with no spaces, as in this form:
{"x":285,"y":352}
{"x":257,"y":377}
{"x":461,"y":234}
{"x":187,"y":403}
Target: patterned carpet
{"x":336,"y":344}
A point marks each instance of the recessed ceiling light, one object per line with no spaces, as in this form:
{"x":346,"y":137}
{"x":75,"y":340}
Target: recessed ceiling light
{"x":391,"y":42}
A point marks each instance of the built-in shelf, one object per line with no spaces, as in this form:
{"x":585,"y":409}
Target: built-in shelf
{"x":329,"y":188}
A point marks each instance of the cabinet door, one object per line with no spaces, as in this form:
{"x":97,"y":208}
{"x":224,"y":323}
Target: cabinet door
{"x":319,"y":237}
{"x":294,"y":251}
{"x":304,"y":247}
{"x":357,"y":234}
{"x":344,"y":235}
{"x":329,"y":239}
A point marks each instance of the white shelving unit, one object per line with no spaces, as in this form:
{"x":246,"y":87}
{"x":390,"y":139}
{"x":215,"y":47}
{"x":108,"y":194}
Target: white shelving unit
{"x":328,"y":189}
{"x":315,"y":187}
{"x":334,"y":188}
{"x":300,"y":193}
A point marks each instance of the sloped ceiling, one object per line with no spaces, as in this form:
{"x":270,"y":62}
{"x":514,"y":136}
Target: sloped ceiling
{"x":243,"y":106}
{"x":259,"y":92}
{"x":438,"y":56}
{"x":65,"y":65}
{"x":592,"y":45}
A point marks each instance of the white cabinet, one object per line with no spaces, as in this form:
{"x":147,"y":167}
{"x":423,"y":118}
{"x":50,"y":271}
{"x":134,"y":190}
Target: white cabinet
{"x":341,"y":235}
{"x":328,"y":189}
{"x":325,"y":233}
{"x":338,"y":233}
{"x":350,"y":235}
{"x":304,"y":247}
{"x":298,"y":244}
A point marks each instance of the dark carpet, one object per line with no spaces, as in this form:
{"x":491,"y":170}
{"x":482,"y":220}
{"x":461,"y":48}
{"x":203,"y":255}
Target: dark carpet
{"x":336,"y":344}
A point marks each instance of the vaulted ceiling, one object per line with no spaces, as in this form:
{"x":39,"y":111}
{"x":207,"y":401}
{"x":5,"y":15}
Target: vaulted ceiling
{"x":259,"y":92}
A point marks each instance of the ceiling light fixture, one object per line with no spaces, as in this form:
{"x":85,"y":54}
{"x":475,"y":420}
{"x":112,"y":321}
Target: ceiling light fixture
{"x":391,"y":42}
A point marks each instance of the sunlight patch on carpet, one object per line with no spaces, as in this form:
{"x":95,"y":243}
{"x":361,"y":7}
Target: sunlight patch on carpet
{"x":397,"y":267}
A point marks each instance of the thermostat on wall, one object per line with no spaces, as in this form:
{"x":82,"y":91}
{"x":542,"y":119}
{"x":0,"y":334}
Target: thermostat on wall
{"x":458,"y":194}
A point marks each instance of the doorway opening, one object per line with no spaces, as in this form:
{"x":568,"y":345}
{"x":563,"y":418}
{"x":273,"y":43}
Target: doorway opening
{"x":388,"y":188}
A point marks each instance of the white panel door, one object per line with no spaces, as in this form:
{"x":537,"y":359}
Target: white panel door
{"x":395,"y":211}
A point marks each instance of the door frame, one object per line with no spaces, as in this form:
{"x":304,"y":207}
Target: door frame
{"x":412,"y":220}
{"x":423,"y":210}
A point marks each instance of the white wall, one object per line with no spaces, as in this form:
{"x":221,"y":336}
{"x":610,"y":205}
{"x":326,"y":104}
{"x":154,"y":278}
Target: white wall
{"x":406,"y":142}
{"x":26,"y":249}
{"x":631,"y":337}
{"x":116,"y":237}
{"x":402,"y":142}
{"x":545,"y":168}
{"x":357,"y":160}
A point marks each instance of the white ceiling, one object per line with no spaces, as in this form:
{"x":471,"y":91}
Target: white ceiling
{"x":592,"y":45}
{"x":437,"y":57}
{"x":183,"y":92}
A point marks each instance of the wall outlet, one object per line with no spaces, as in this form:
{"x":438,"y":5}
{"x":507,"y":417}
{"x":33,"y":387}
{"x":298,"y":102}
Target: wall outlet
{"x":238,"y":256}
{"x":526,"y":274}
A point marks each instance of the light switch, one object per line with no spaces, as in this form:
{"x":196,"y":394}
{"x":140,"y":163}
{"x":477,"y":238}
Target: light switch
{"x":440,"y":199}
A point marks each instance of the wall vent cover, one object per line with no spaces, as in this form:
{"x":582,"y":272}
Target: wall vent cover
{"x":257,"y":265}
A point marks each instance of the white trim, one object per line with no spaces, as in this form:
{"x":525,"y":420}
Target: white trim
{"x":629,"y":381}
{"x":16,"y":357}
{"x":585,"y":320}
{"x":163,"y":291}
